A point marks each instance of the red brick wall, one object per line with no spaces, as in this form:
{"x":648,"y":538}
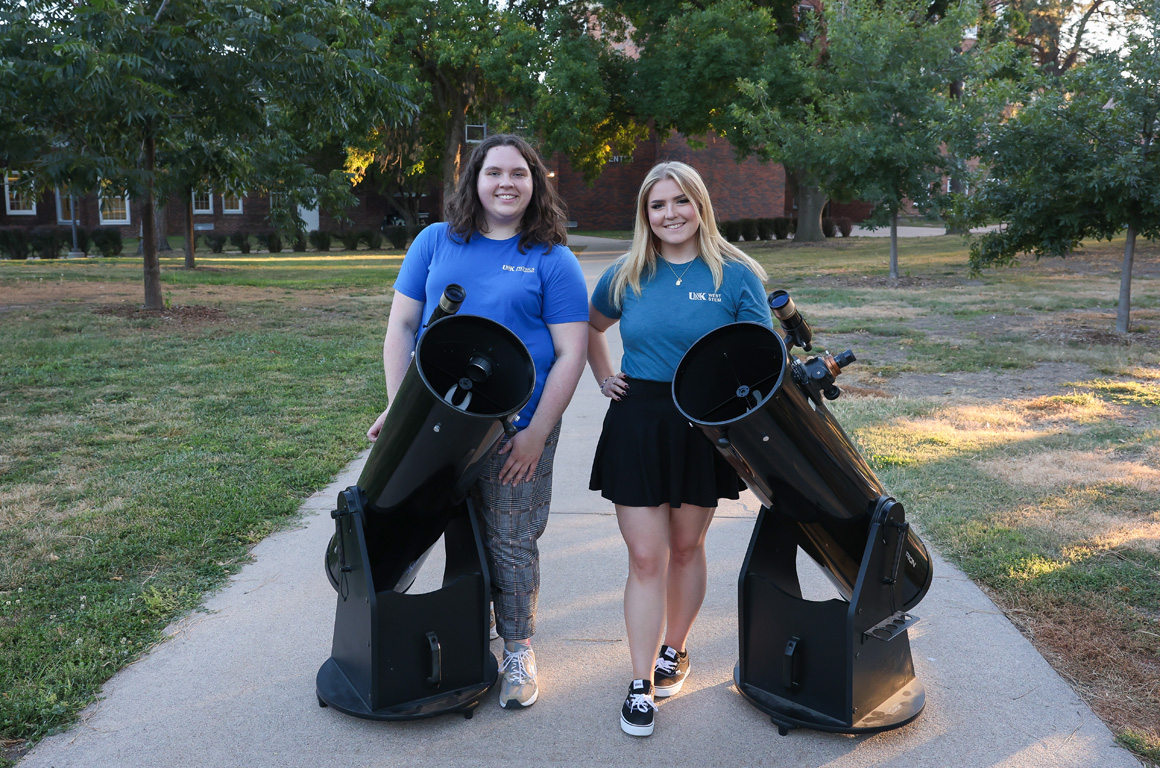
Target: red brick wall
{"x":855,"y":211}
{"x":750,"y":189}
{"x":611,"y":201}
{"x":747,"y":190}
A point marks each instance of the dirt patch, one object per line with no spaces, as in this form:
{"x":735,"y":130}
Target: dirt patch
{"x":1038,"y":380}
{"x":177,"y":315}
{"x":877,"y":281}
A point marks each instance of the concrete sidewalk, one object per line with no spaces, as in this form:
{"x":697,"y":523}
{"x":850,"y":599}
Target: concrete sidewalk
{"x":234,"y":686}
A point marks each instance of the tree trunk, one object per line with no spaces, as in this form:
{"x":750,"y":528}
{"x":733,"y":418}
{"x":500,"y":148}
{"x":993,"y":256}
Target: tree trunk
{"x":162,"y":224}
{"x":453,"y":141}
{"x":811,"y":202}
{"x":894,"y":244}
{"x":187,"y":230}
{"x":153,"y":299}
{"x":159,"y":225}
{"x":1125,"y":308}
{"x":956,"y":184}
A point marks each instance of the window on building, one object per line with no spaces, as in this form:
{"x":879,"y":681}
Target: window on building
{"x":806,"y":21}
{"x":475,"y":133}
{"x":114,"y":209}
{"x":64,"y":212}
{"x":18,"y":198}
{"x":231,"y":203}
{"x":202,"y":202}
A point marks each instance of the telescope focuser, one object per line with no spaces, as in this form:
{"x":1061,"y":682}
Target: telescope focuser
{"x":817,"y":374}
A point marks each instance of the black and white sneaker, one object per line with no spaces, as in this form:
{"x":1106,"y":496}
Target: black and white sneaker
{"x":670,"y":671}
{"x":636,"y":716}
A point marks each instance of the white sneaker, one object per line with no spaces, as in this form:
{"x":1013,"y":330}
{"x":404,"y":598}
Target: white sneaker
{"x":518,"y":686}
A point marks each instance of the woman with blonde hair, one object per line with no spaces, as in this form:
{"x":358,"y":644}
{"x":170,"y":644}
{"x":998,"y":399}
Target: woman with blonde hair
{"x":680,"y":280}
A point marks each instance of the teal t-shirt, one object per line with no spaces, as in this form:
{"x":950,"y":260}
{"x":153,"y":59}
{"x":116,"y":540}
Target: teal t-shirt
{"x":660,"y":324}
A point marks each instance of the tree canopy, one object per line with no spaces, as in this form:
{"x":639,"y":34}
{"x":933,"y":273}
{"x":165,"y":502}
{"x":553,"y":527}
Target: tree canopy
{"x":238,"y":95}
{"x":1072,"y":158}
{"x":860,"y":107}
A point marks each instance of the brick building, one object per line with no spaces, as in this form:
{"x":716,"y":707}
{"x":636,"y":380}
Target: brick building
{"x":749,"y":189}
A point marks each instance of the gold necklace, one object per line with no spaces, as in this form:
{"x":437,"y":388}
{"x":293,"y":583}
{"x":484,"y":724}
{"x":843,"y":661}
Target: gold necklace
{"x":681,"y":276}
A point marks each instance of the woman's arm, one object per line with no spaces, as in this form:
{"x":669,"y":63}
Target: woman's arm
{"x":611,"y":381}
{"x":398,"y":346}
{"x":525,"y":448}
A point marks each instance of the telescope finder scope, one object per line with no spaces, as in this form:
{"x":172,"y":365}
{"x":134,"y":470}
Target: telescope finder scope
{"x":797,"y":331}
{"x":453,"y":296}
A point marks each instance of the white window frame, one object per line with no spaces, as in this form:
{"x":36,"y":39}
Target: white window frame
{"x":480,"y":132}
{"x":63,"y":200}
{"x":232,"y":211}
{"x":108,"y":221}
{"x":208,"y":211}
{"x":10,"y":178}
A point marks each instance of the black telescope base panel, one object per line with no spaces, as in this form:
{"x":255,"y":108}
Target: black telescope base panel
{"x":900,"y":709}
{"x":334,"y":690}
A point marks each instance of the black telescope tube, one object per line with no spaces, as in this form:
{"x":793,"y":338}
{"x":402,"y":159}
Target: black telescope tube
{"x":736,"y":385}
{"x":469,"y":378}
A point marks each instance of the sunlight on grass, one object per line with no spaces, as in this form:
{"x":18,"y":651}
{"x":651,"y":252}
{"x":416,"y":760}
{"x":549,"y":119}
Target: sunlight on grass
{"x":1035,"y":567}
{"x":1127,"y":392}
{"x":1060,"y":469}
{"x":259,"y":260}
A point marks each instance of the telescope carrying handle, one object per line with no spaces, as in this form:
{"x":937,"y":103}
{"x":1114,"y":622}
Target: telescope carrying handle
{"x":436,"y":676}
{"x":903,"y":529}
{"x":788,"y":676}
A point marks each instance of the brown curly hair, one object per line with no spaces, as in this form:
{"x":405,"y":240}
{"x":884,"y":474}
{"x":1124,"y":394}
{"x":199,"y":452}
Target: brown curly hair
{"x":544,"y":221}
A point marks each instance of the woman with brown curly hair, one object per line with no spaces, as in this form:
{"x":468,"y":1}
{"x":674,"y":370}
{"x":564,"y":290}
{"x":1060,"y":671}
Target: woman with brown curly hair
{"x":504,"y":243}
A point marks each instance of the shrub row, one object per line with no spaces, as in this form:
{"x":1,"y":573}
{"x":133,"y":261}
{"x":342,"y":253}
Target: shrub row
{"x":321,"y":240}
{"x":779,"y":228}
{"x":48,"y":242}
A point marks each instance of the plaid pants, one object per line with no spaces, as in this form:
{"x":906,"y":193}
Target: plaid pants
{"x":513,"y":517}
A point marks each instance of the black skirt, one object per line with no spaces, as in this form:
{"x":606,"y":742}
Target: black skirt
{"x":649,"y":455}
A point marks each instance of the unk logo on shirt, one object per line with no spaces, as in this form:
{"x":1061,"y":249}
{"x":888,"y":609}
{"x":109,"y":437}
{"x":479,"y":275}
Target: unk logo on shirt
{"x":510,"y":268}
{"x":702,"y":296}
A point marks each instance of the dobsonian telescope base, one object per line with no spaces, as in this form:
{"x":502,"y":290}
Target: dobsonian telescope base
{"x":401,"y":657}
{"x":836,"y":666}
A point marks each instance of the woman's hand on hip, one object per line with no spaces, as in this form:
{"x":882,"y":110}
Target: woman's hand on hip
{"x":523,"y":450}
{"x":615,"y":386}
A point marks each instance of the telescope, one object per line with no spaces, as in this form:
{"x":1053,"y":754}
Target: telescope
{"x":398,"y":656}
{"x":841,"y":665}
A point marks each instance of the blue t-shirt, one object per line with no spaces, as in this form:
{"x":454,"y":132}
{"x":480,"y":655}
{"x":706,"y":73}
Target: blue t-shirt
{"x":660,"y":325}
{"x":523,"y":291}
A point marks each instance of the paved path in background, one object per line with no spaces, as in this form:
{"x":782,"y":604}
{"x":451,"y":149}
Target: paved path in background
{"x":234,"y":685}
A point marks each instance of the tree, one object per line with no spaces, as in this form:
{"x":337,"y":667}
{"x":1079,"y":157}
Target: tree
{"x":110,"y":90}
{"x":868,"y":114}
{"x":1073,"y":158}
{"x":460,"y":58}
{"x":1057,"y":34}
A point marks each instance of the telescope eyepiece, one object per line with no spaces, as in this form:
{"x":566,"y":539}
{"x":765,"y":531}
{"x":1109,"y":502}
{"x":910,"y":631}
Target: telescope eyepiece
{"x":796,"y":329}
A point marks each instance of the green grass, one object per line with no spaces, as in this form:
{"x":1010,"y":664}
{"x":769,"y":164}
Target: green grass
{"x":141,"y":457}
{"x":142,"y":454}
{"x":612,"y":234}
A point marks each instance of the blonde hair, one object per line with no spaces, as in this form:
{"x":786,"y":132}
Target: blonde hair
{"x":715,"y":250}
